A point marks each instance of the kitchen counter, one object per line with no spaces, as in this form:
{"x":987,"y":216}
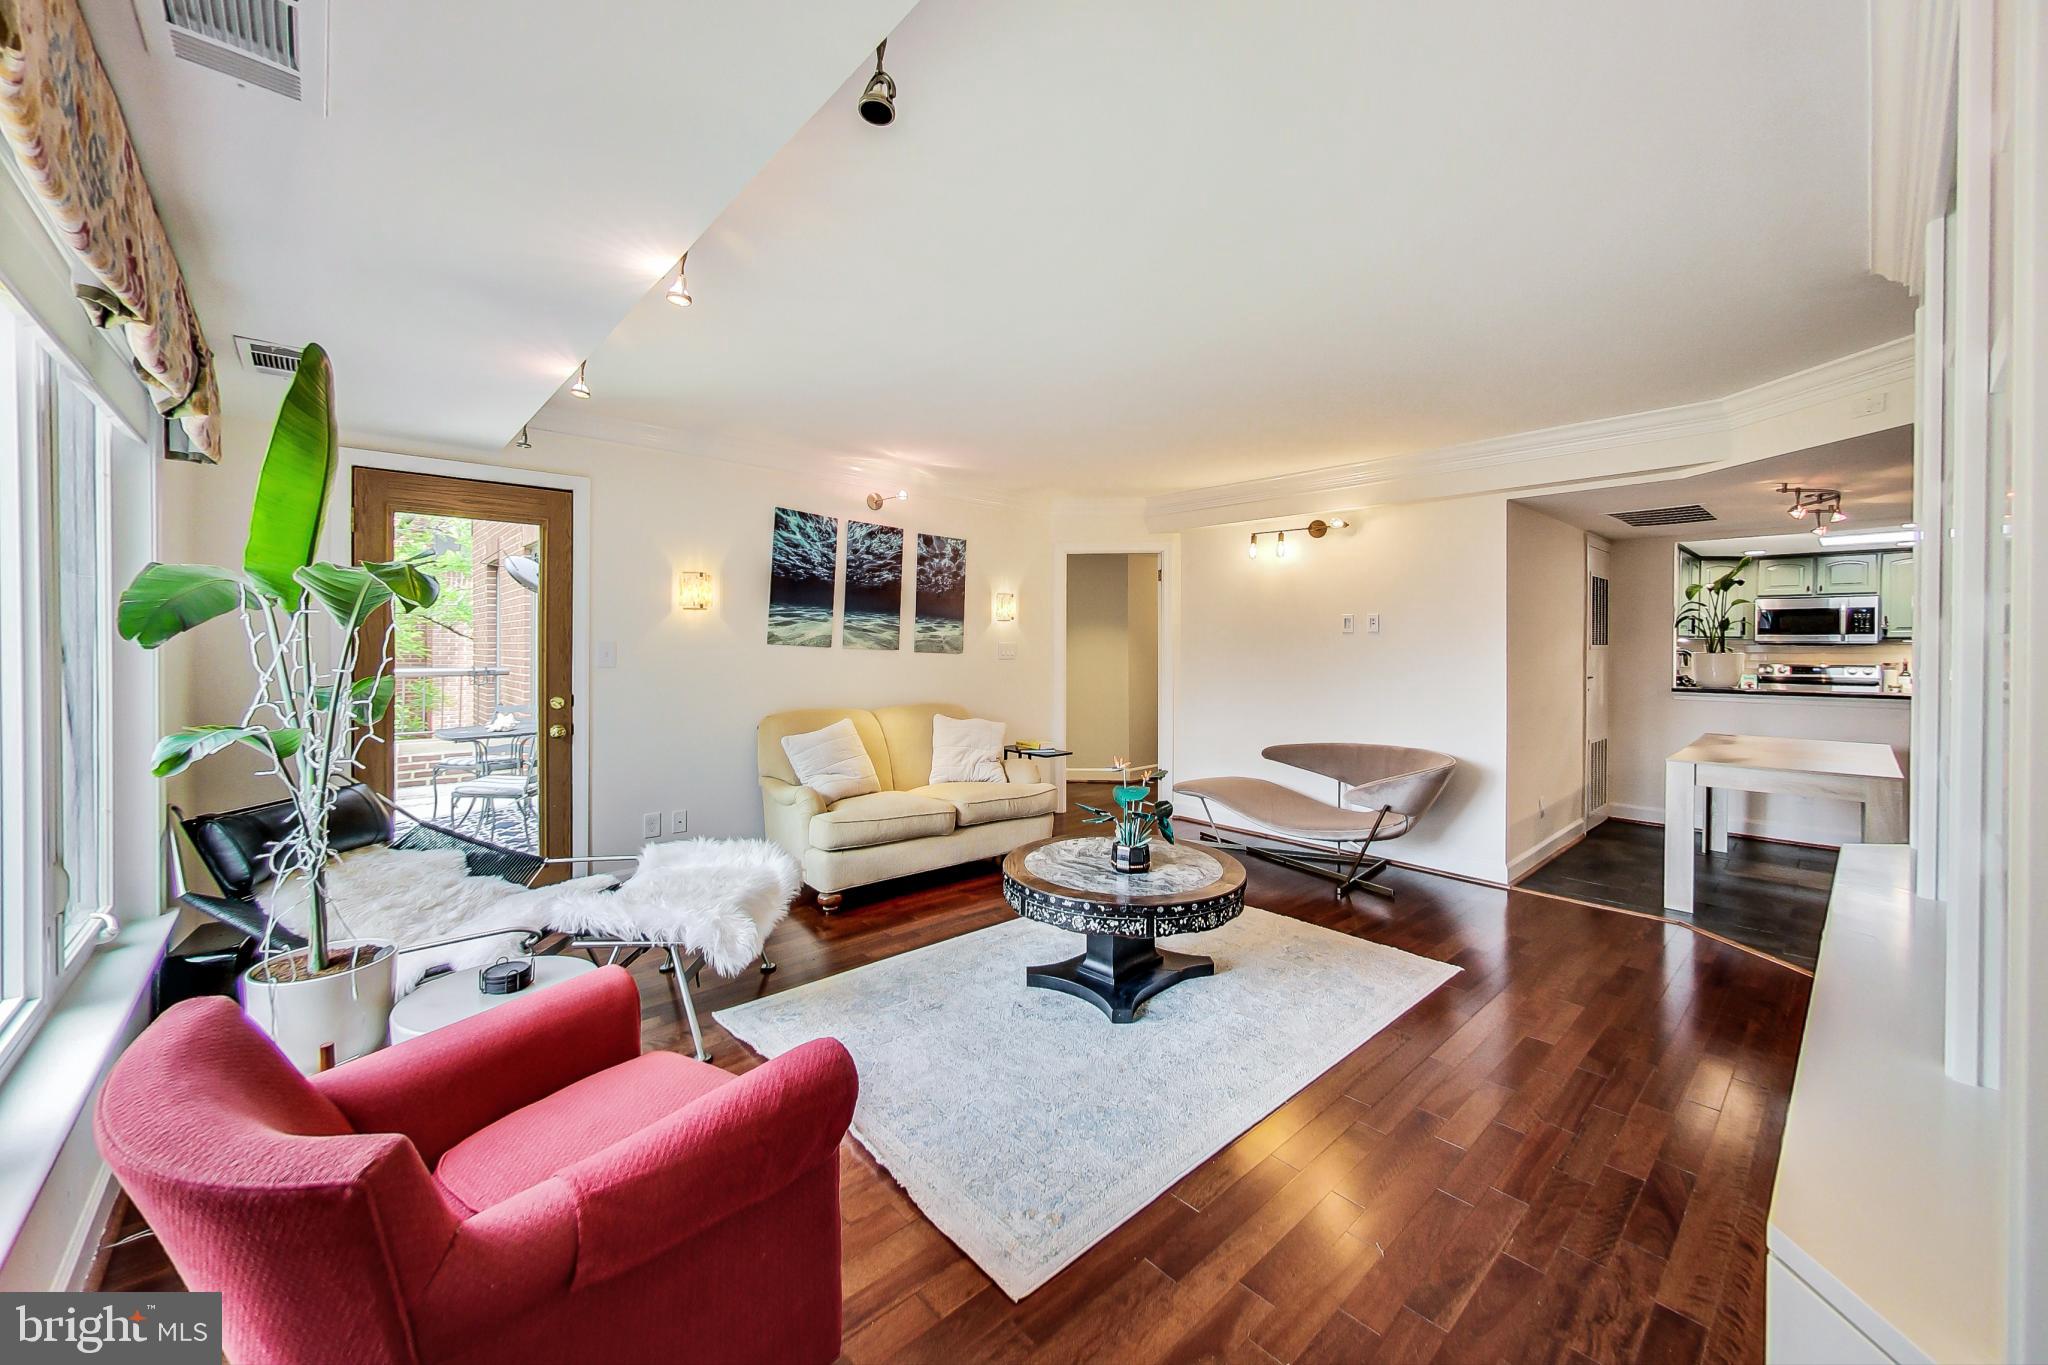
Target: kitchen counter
{"x":1795,"y":693}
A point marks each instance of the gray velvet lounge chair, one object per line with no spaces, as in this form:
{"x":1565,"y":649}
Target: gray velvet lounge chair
{"x":1382,"y":791}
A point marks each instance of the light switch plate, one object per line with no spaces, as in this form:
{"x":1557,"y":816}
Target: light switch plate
{"x":1348,"y":624}
{"x":607,"y":652}
{"x":679,"y":822}
{"x":1006,"y":649}
{"x":1372,"y":624}
{"x":650,"y":824}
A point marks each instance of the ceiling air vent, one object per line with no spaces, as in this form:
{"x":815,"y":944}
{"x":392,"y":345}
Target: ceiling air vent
{"x":253,"y":41}
{"x":267,"y":357}
{"x":1664,"y":516}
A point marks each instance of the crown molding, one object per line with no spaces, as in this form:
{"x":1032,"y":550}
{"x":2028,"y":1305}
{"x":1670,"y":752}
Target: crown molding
{"x":1877,"y":367}
{"x":771,"y":457}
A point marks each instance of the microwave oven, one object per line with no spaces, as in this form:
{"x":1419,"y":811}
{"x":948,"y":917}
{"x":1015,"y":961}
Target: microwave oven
{"x":1857,"y":620}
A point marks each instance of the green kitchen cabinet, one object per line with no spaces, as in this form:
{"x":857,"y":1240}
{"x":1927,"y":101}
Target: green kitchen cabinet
{"x":1901,"y":582}
{"x":1846,"y":573}
{"x":1786,"y":577}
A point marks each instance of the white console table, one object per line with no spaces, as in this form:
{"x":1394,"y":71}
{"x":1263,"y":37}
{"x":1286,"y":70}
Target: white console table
{"x":1884,"y":1230}
{"x":1865,"y":773}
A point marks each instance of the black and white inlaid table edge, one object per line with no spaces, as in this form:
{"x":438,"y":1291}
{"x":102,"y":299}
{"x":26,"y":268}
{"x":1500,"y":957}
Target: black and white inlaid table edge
{"x":1123,"y":966}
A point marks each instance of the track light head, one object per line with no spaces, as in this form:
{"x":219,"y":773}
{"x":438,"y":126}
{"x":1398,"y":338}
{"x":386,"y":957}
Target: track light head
{"x":679,"y":291}
{"x":581,"y":388}
{"x":878,"y":101}
{"x":524,"y":442}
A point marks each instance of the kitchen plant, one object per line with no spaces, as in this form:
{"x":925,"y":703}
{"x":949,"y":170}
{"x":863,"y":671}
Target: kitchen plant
{"x":1136,"y":815}
{"x":317,"y":700}
{"x":1711,"y":614}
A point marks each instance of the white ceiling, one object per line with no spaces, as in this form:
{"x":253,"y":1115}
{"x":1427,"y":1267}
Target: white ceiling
{"x":1150,"y":246}
{"x":1874,"y":473}
{"x":1125,"y":249}
{"x":489,"y":190}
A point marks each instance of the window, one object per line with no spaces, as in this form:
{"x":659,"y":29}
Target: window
{"x":56,"y":638}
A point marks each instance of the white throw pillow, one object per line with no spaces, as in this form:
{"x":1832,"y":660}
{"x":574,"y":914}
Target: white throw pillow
{"x":966,"y":750}
{"x":832,"y":762}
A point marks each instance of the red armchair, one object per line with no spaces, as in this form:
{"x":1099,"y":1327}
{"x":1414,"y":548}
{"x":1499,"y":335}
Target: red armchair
{"x":521,"y":1186}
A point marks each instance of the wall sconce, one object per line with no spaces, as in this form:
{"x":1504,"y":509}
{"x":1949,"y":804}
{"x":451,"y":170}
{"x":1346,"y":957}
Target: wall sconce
{"x":1006,"y":606}
{"x":693,"y":590}
{"x":875,"y":500}
{"x":1316,"y":529}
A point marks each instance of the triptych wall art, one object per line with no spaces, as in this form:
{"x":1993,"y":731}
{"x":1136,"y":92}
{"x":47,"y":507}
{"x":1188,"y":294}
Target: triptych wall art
{"x":803,"y":575}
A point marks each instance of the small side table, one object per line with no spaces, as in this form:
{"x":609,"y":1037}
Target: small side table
{"x":1056,"y":759}
{"x":446,"y":999}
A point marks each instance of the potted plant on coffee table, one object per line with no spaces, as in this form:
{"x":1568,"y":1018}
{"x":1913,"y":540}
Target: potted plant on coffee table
{"x":1711,"y":614}
{"x":317,"y":700}
{"x":1136,"y":815}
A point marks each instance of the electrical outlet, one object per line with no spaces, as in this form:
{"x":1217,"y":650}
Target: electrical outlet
{"x":607,"y":652}
{"x":1372,"y":624}
{"x":1347,"y":624}
{"x":678,"y":822}
{"x":650,"y":824}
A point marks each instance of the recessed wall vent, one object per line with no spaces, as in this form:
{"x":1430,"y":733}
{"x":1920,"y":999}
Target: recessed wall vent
{"x":1664,"y":516}
{"x":252,"y":41}
{"x":267,"y":357}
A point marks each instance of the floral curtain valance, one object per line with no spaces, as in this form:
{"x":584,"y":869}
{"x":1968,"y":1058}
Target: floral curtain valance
{"x":59,"y":114}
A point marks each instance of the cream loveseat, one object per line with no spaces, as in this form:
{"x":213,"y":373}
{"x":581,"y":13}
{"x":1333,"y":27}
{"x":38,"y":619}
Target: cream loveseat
{"x":909,"y":825}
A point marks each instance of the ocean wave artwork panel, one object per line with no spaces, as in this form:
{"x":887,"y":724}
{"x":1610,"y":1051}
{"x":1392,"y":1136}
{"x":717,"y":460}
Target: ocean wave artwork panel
{"x":941,"y":595}
{"x":803,"y":564}
{"x":874,"y":587}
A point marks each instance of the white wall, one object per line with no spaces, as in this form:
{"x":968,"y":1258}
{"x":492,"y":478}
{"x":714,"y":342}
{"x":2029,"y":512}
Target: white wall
{"x":1546,"y":698}
{"x":1141,"y":615}
{"x":1263,"y":661}
{"x":1099,"y":685}
{"x":1647,"y":721}
{"x":673,"y":725}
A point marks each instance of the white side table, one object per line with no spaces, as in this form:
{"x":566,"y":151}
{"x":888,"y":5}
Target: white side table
{"x":446,"y":999}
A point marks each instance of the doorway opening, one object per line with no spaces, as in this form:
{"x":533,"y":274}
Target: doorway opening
{"x":478,"y":733}
{"x":1113,"y":610}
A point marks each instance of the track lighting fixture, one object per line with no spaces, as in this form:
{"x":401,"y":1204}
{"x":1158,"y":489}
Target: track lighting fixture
{"x":524,"y":442}
{"x":875,"y":500}
{"x":878,"y":101}
{"x":679,"y":291}
{"x":581,"y":388}
{"x":1316,"y":529}
{"x":1824,"y":505}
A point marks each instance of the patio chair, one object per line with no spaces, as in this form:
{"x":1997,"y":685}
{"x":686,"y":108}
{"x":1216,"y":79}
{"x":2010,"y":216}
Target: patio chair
{"x":484,"y":794}
{"x":1382,"y":791}
{"x":512,"y":753}
{"x":234,"y":846}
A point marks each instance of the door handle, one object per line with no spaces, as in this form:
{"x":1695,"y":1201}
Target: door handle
{"x":557,"y":731}
{"x":556,"y":703}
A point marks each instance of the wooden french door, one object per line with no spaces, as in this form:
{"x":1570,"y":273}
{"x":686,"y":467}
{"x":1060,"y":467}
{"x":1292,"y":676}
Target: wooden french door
{"x":481,"y":731}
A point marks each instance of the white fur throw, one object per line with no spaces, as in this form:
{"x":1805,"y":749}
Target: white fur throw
{"x":718,"y":897}
{"x":407,"y":896}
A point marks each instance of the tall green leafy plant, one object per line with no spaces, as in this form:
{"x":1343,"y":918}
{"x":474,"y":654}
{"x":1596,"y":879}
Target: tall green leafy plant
{"x":1712,"y":611}
{"x":317,"y":699}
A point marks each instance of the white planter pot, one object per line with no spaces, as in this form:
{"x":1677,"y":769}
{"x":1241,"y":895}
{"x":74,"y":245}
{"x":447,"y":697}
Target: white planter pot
{"x":1719,"y":670}
{"x":324,"y":1021}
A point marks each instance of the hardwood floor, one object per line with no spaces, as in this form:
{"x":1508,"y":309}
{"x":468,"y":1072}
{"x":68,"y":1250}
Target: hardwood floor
{"x":1769,"y":896}
{"x":1565,"y":1154}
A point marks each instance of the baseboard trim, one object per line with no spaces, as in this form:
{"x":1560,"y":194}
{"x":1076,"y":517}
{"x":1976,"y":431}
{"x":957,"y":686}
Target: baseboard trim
{"x":1526,"y":862}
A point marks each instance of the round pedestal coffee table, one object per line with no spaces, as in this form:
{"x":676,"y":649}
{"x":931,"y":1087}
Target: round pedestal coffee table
{"x":1069,"y":884}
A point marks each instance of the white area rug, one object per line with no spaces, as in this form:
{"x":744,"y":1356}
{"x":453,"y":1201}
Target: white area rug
{"x":1026,"y":1125}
